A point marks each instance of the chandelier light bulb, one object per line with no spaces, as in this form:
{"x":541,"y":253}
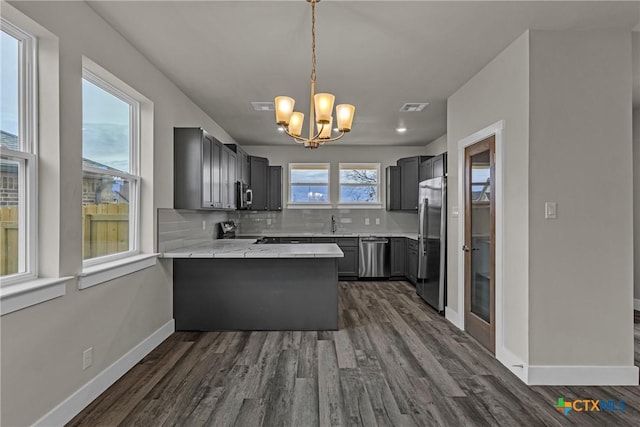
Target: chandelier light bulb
{"x":345,"y":113}
{"x":295,"y":123}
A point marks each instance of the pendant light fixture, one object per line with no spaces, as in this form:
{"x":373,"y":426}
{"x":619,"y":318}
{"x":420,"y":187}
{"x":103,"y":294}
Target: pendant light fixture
{"x":320,"y":107}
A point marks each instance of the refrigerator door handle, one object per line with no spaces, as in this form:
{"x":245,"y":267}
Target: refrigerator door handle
{"x":422,"y":236}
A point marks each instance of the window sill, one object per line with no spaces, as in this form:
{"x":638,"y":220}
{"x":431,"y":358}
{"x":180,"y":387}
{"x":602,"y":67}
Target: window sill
{"x":97,"y":274}
{"x":25,"y":294}
{"x":309,"y":206}
{"x":360,"y":205}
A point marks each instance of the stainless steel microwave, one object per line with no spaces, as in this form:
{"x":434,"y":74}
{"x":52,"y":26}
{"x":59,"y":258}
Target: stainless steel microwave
{"x":244,"y":196}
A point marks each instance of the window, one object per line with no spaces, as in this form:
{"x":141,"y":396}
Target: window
{"x":359,"y":183}
{"x":111,"y":181}
{"x":18,"y":162}
{"x":309,"y":183}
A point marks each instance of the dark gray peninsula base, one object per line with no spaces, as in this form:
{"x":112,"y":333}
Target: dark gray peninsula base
{"x":231,"y":294}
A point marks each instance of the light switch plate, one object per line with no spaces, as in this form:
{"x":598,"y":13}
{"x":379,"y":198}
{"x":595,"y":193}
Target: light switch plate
{"x":550,"y":210}
{"x":366,"y":221}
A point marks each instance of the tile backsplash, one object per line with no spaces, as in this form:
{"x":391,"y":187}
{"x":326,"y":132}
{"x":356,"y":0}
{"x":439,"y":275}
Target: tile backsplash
{"x":180,"y":228}
{"x":319,"y":221}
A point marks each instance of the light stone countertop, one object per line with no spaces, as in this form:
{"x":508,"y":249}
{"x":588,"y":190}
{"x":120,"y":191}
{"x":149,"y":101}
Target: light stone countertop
{"x":245,"y":248}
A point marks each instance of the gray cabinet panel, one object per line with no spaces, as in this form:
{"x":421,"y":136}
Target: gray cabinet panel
{"x":409,"y":174}
{"x":295,"y":240}
{"x":275,"y":188}
{"x":196,"y":169}
{"x":393,"y":188}
{"x":398,"y":256}
{"x":259,"y":182}
{"x":348,"y":266}
{"x":440,"y":165}
{"x":412,"y":261}
{"x":426,"y":170}
{"x":323,"y":240}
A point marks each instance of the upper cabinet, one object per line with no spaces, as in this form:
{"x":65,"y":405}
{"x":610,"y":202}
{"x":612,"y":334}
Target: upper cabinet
{"x":393,"y":188}
{"x":275,"y":188}
{"x":409,"y":180}
{"x":259,"y":182}
{"x":403,"y":180}
{"x":202,"y":176}
{"x":242,"y":163}
{"x":434,"y":167}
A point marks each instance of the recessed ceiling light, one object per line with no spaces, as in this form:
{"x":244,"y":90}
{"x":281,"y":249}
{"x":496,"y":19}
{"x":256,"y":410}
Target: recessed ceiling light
{"x":263,"y":106}
{"x":413,"y":107}
{"x":401,"y":130}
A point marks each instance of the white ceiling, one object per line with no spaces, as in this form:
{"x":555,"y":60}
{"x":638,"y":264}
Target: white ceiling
{"x":374,"y":54}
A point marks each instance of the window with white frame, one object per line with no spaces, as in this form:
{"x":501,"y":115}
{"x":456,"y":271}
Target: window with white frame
{"x":111,"y":180}
{"x":360,"y":183}
{"x":18,"y":161}
{"x":309,"y":183}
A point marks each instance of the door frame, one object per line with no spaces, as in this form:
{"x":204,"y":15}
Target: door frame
{"x":497,"y":130}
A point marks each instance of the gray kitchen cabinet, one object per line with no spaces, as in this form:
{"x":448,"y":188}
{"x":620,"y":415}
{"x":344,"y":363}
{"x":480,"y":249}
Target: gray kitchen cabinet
{"x":295,"y":240}
{"x":242,"y":165}
{"x":231,"y":179}
{"x":196,"y":176}
{"x":323,"y":240}
{"x":411,"y":272}
{"x":398,"y":256}
{"x":224,"y":177}
{"x":275,"y":188}
{"x":348,"y":265}
{"x":440,"y":165}
{"x":393,"y":186}
{"x":259,"y":182}
{"x":426,"y":170}
{"x":409,"y":180}
{"x":434,"y":167}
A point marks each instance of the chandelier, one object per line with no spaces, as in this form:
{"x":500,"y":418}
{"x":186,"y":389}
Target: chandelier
{"x":320,"y":107}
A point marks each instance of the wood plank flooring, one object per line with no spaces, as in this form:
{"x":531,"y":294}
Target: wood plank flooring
{"x":394,"y":362}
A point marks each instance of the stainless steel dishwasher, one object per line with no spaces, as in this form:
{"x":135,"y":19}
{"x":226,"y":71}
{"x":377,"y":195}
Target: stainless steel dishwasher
{"x":374,"y":257}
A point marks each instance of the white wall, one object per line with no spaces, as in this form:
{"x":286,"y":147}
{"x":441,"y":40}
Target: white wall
{"x":581,"y":264}
{"x":437,"y":146}
{"x":636,"y":201}
{"x":42,"y":345}
{"x":500,"y":91}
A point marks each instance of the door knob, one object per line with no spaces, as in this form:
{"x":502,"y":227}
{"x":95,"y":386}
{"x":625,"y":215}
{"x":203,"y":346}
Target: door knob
{"x":466,"y":248}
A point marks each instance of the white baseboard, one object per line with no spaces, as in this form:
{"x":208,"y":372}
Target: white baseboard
{"x":636,"y":304}
{"x":513,"y":363}
{"x":583,"y":375}
{"x":72,"y":405}
{"x":453,"y":317}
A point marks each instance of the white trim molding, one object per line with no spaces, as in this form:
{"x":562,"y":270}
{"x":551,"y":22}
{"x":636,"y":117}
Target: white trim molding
{"x":636,"y":304}
{"x":72,"y":405}
{"x":94,"y":275}
{"x":21,"y":295}
{"x":453,"y":317}
{"x":512,"y":362}
{"x":582,"y":375}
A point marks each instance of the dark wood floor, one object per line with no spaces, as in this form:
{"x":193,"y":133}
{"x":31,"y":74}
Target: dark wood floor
{"x":394,"y":362}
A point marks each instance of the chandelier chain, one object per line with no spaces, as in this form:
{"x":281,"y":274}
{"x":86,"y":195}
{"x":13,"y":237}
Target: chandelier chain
{"x":313,"y":40}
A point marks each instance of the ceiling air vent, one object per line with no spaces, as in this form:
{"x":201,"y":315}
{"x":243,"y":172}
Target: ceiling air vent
{"x":413,"y":107}
{"x":263,"y":106}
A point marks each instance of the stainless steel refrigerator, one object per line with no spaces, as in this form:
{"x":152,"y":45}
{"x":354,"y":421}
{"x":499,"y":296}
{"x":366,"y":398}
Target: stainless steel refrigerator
{"x":432,"y":242}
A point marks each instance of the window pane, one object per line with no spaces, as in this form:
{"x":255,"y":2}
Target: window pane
{"x":105,"y":128}
{"x":309,"y":175}
{"x":9,"y":215}
{"x":9,"y":84}
{"x":105,"y":215}
{"x":309,"y":193}
{"x":358,"y":176}
{"x":358,"y":193}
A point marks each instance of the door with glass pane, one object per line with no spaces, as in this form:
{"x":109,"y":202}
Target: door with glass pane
{"x":479,"y":241}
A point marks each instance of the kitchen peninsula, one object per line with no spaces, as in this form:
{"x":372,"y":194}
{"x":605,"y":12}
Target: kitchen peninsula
{"x":238,"y":285}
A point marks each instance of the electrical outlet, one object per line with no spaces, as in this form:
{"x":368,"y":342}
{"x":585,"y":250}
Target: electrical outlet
{"x":87,"y":358}
{"x":366,"y":221}
{"x":550,"y":210}
{"x":268,"y":221}
{"x":377,"y":221}
{"x":204,"y":225}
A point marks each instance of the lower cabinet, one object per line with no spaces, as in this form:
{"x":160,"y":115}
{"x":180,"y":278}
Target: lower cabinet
{"x":348,"y":265}
{"x":398,"y":256}
{"x":295,"y":240}
{"x":411,"y":272}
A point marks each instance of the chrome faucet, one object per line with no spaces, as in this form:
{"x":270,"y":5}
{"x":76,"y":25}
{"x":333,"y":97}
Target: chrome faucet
{"x":334,"y":226}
